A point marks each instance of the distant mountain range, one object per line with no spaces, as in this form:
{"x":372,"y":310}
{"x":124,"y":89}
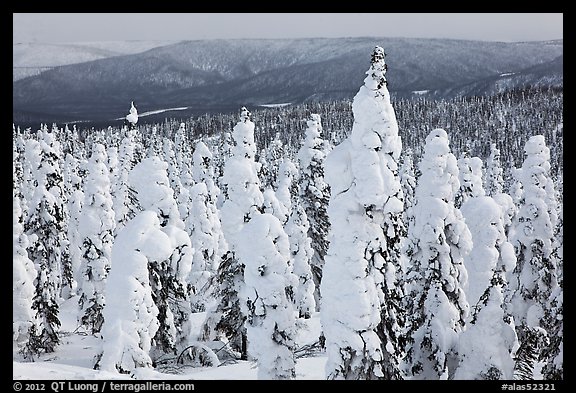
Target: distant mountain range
{"x":29,"y":59}
{"x":222,"y":75}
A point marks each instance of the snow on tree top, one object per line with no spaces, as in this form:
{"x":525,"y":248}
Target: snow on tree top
{"x":245,"y":115}
{"x":132,"y":117}
{"x":378,"y":57}
{"x":314,"y":122}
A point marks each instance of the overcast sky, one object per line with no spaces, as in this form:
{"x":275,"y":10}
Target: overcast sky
{"x":77,"y":27}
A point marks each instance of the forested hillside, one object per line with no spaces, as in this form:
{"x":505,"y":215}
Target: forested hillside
{"x":427,"y":236}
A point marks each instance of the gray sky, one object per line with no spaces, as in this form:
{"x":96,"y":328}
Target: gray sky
{"x":77,"y":27}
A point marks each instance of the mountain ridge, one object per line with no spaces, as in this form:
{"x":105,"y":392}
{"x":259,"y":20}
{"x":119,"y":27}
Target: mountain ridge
{"x":209,"y":75}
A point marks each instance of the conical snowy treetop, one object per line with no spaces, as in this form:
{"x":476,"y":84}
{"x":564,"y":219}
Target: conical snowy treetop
{"x":245,"y":115}
{"x":377,"y":69}
{"x":132,"y":117}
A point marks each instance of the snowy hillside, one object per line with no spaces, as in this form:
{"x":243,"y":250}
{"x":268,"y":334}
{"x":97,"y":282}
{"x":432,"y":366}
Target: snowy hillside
{"x":221,"y":75}
{"x":30,"y":59}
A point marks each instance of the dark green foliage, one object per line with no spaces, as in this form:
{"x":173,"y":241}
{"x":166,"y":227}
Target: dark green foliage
{"x":534,"y":340}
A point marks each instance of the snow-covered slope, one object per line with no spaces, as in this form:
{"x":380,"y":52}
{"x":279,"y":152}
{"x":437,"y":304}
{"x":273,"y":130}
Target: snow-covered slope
{"x":74,"y":358}
{"x":33,"y":58}
{"x":216,"y":75}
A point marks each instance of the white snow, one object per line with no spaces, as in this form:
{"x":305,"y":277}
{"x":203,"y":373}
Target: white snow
{"x":275,"y":105}
{"x":154,"y":112}
{"x":132,"y":117}
{"x":74,"y":359}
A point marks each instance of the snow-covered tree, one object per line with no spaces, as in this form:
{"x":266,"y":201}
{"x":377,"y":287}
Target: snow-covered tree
{"x":125,"y":203}
{"x":173,"y":169}
{"x":554,"y":353}
{"x":242,"y":201}
{"x":265,"y":296}
{"x":286,"y":186}
{"x":74,"y":180}
{"x":30,"y":163}
{"x":485,"y":220}
{"x":23,"y":276}
{"x":113,"y":165}
{"x":488,"y":345}
{"x":53,"y":157}
{"x":168,"y":277}
{"x":273,"y":206}
{"x":302,"y":252}
{"x":438,"y":241}
{"x":532,"y":234}
{"x":208,"y":243}
{"x":95,"y":228}
{"x":408,"y":178}
{"x":183,"y":152}
{"x":48,"y":250}
{"x":315,"y":193}
{"x":18,"y":151}
{"x":132,"y":117}
{"x":470,"y":177}
{"x":361,"y":291}
{"x":528,"y":354}
{"x":130,"y":321}
{"x":225,"y":145}
{"x":494,"y":181}
{"x":203,"y":169}
{"x":270,"y":160}
{"x":205,"y":228}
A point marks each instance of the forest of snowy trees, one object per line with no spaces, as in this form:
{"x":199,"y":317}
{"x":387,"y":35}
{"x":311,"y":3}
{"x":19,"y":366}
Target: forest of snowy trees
{"x":427,"y":236}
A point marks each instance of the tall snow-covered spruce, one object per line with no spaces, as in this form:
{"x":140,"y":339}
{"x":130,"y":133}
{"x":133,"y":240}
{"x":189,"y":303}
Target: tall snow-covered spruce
{"x":438,"y":241}
{"x":243,"y":199}
{"x":361,"y":291}
{"x":265,"y":254}
{"x":489,"y":343}
{"x":46,"y":223}
{"x":205,"y":228}
{"x":255,"y":280}
{"x":315,"y":194}
{"x":23,"y":275}
{"x":168,"y":277}
{"x":130,"y":321}
{"x":537,"y":300}
{"x":95,"y":227}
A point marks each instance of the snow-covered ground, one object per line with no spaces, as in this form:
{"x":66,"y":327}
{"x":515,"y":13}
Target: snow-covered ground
{"x":74,"y":358}
{"x":155,"y":112}
{"x":275,"y":105}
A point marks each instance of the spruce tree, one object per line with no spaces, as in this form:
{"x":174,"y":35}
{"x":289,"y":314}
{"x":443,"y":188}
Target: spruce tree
{"x":242,"y":201}
{"x":130,"y":321}
{"x":23,"y":276}
{"x":265,"y":296}
{"x":125,"y":203}
{"x":438,"y":241}
{"x":536,"y":302}
{"x":95,"y":228}
{"x":494,"y":181}
{"x":489,"y":343}
{"x":168,"y":276}
{"x":315,"y":194}
{"x":46,"y":223}
{"x":301,"y":252}
{"x":367,"y":230}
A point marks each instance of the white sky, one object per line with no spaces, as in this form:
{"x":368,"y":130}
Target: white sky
{"x":77,"y":27}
